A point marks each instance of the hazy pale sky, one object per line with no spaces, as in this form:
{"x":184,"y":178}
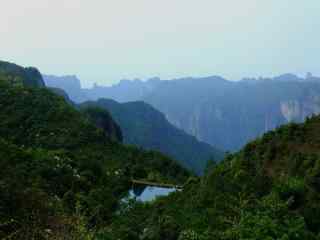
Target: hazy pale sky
{"x":107,"y":40}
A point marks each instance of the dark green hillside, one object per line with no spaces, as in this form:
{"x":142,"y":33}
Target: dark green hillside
{"x":64,"y":172}
{"x":37,"y":118}
{"x":61,"y":177}
{"x":63,"y":94}
{"x":100,"y":118}
{"x":18,"y":75}
{"x":144,"y":126}
{"x":268,"y":190}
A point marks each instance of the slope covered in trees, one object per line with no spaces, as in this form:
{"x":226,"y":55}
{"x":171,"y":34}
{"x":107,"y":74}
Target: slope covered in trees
{"x":18,"y":75}
{"x":144,"y":126}
{"x":64,"y":174}
{"x":60,"y":175}
{"x":268,"y":190}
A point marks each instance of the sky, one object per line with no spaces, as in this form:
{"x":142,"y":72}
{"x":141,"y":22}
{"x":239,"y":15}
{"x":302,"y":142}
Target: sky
{"x":105,"y":41}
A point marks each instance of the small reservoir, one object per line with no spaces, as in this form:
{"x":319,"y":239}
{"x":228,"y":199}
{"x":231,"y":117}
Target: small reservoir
{"x":149,"y":193}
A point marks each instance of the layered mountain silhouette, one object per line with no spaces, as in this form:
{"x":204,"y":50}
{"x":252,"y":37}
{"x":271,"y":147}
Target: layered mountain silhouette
{"x":64,"y":172}
{"x":144,"y":126}
{"x":225,"y":114}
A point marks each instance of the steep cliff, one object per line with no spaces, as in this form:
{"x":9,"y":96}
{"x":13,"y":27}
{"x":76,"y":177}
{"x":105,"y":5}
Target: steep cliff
{"x":229,"y":114}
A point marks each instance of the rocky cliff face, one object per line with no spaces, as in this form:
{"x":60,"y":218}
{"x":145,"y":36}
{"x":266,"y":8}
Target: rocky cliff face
{"x":298,"y":110}
{"x":290,"y":110}
{"x":228,"y":115}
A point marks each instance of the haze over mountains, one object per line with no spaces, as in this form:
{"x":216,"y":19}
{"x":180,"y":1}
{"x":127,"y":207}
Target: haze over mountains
{"x":214,"y":156}
{"x":144,"y":126}
{"x":223,"y":113}
{"x":65,"y":172}
{"x":141,"y":124}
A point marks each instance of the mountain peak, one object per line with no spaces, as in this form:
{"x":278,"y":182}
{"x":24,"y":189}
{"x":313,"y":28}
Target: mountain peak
{"x":16,"y":74}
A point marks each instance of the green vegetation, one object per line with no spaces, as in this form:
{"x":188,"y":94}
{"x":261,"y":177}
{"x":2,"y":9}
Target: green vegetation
{"x":64,"y":175}
{"x":101,"y":118}
{"x":268,"y":190}
{"x":61,"y":177}
{"x":19,"y":76}
{"x":144,"y":126}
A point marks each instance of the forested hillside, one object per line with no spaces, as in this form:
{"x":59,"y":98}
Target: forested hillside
{"x":144,"y":126}
{"x":61,"y":177}
{"x":64,"y":174}
{"x":18,"y":75}
{"x":159,"y":120}
{"x":268,"y":190}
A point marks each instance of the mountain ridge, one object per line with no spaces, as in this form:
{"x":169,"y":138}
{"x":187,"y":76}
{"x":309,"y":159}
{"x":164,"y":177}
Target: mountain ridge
{"x":206,"y":107}
{"x":144,"y":126}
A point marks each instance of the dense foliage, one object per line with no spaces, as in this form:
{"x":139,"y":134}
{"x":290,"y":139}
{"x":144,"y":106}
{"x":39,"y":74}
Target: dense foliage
{"x":144,"y":126}
{"x":268,"y":190}
{"x":65,"y":175}
{"x":101,"y":118}
{"x":61,"y":177}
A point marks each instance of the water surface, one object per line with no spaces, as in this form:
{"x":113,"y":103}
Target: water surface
{"x":150,"y":193}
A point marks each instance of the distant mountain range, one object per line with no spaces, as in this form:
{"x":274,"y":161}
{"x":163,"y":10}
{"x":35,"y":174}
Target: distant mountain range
{"x":223,"y":113}
{"x":125,"y":91}
{"x":144,"y":126}
{"x":70,"y":84}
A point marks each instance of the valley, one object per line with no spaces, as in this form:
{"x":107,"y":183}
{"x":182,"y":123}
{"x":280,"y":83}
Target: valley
{"x":159,"y":120}
{"x":71,"y":171}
